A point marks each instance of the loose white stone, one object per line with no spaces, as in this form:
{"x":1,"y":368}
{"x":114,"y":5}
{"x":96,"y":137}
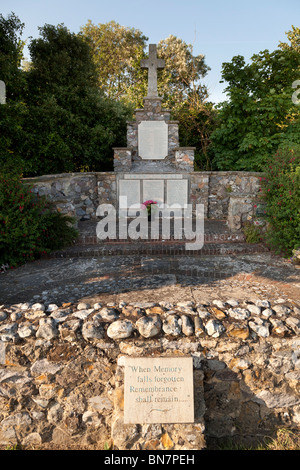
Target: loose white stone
{"x":254,"y":309}
{"x":214,"y":328}
{"x":260,"y":330}
{"x":83,"y":314}
{"x":120,"y":329}
{"x":38,"y":306}
{"x":25,"y":331}
{"x":263,"y":303}
{"x":281,"y":310}
{"x":172,"y":325}
{"x":83,"y":306}
{"x":52,"y":307}
{"x":267,"y":312}
{"x":219,"y":304}
{"x":149,"y":326}
{"x":232,"y":302}
{"x":109,"y":313}
{"x":187,"y":325}
{"x":239,"y":313}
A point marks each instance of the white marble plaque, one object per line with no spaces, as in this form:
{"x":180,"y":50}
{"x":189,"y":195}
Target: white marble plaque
{"x":152,"y":176}
{"x":153,"y":189}
{"x":158,"y":390}
{"x":131,"y":190}
{"x":153,"y":140}
{"x":177,"y":192}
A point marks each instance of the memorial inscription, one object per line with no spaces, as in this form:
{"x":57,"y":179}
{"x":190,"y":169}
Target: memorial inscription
{"x":153,"y":140}
{"x":158,"y":390}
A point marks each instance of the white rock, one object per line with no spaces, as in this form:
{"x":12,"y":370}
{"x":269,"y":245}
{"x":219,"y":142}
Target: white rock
{"x":83,"y":306}
{"x":52,"y":307}
{"x":187,"y":325}
{"x":263,"y":303}
{"x":25,"y":331}
{"x":254,"y":309}
{"x":239,"y":313}
{"x":267,"y":312}
{"x":120,"y":329}
{"x":38,"y":306}
{"x":260,"y":330}
{"x":149,"y":326}
{"x":82,"y":314}
{"x":219,"y":304}
{"x":172,"y":325}
{"x":281,"y":310}
{"x":232,"y":302}
{"x":214,"y":328}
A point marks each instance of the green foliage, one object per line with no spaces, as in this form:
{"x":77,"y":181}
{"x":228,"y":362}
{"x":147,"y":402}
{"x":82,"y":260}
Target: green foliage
{"x":252,"y":233}
{"x":55,"y":120}
{"x":11,"y":47}
{"x":196,"y":123}
{"x":180,"y":80}
{"x":117,"y":51}
{"x":259,"y":113}
{"x":29,"y":226}
{"x":281,"y":192}
{"x":70,"y":125}
{"x":13,"y":112}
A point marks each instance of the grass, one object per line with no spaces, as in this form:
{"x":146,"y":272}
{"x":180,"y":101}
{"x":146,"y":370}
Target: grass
{"x":286,"y":439}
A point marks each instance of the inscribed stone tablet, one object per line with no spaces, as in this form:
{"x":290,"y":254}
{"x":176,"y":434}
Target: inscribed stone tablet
{"x":153,"y":140}
{"x":131,"y":190}
{"x":158,"y":390}
{"x":177,"y":192}
{"x":153,"y":189}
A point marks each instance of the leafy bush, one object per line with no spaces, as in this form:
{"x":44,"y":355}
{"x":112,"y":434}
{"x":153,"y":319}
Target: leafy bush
{"x":29,"y":226}
{"x":281,"y":191}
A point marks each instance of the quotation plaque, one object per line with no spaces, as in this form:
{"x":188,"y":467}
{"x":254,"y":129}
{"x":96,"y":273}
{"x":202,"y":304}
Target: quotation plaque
{"x":158,"y":390}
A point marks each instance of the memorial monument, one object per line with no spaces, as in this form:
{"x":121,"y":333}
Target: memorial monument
{"x":153,"y":165}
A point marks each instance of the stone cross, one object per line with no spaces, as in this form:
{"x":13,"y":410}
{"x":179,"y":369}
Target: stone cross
{"x":152,"y":64}
{"x":2,"y":92}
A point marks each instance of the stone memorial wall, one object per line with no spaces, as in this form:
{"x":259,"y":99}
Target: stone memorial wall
{"x":224,"y":194}
{"x":149,"y":376}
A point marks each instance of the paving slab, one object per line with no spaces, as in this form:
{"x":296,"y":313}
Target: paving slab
{"x":151,"y":278}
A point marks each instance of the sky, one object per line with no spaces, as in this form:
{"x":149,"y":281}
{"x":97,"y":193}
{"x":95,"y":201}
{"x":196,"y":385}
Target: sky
{"x":218,"y":29}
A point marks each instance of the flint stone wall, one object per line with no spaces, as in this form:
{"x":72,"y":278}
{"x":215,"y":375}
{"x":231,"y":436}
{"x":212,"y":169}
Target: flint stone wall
{"x":62,"y":381}
{"x":225,"y":195}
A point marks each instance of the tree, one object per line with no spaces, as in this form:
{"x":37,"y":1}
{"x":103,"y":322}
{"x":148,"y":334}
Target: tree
{"x":116,"y":50}
{"x":117,"y":53}
{"x":254,"y":121}
{"x":13,"y":112}
{"x":183,"y":92}
{"x":180,"y":80}
{"x":70,"y":126}
{"x":11,"y":53}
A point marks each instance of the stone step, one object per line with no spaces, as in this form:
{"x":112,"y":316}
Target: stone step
{"x":156,"y":248}
{"x":215,"y":231}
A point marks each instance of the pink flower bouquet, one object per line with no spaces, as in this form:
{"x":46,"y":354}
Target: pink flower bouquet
{"x":147,"y":205}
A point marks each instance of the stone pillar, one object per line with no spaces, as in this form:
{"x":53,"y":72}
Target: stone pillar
{"x":184,"y":158}
{"x":122,"y":159}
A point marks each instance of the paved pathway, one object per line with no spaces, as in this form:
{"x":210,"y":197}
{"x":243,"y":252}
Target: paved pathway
{"x":152,"y":278}
{"x":103,"y":271}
